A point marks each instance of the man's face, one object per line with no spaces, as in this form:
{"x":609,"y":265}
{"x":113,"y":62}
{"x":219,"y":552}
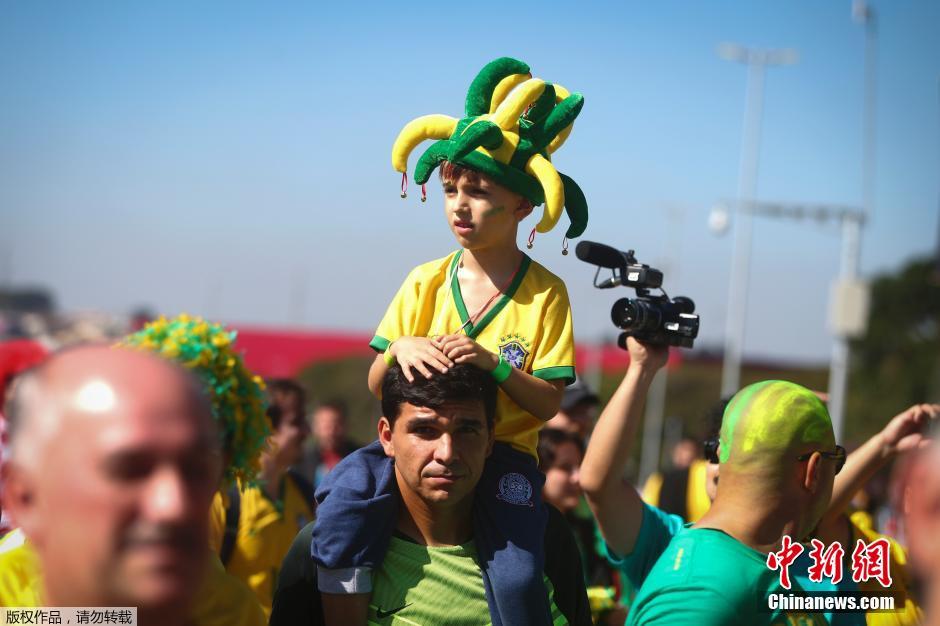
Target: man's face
{"x":329,"y":427}
{"x":481,"y":213}
{"x":439,"y":454}
{"x":922,"y":514}
{"x":289,"y":436}
{"x":562,"y":480}
{"x":119,"y":509}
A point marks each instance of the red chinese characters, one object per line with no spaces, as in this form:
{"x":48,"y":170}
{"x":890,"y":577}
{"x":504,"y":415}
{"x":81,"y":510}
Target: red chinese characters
{"x":782,"y":560}
{"x":872,"y":561}
{"x":826,"y":563}
{"x":869,"y":561}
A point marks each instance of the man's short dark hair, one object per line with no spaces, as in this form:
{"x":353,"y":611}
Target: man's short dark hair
{"x":461,"y":383}
{"x":550,"y":439}
{"x":335,"y":404}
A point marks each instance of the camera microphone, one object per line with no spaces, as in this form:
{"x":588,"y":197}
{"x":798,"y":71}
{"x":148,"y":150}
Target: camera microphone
{"x":599,"y":254}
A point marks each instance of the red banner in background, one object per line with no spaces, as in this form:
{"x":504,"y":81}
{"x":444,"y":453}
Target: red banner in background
{"x":274,"y":353}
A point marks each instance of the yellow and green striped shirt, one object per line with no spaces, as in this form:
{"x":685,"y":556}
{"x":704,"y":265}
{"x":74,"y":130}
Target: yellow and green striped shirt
{"x":422,"y":586}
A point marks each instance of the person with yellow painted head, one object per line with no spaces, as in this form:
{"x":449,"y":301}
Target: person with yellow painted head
{"x":778,"y":459}
{"x":637,"y":533}
{"x":489,"y":305}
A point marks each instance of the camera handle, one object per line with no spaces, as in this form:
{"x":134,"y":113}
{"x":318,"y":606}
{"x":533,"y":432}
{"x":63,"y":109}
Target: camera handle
{"x":614,"y":281}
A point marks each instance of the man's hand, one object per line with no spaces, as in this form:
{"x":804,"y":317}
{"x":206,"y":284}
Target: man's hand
{"x":646,"y":356}
{"x":419,"y":353}
{"x":461,"y":349}
{"x":905,"y":431}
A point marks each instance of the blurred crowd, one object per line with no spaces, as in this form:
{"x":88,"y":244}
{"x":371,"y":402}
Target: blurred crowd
{"x":118,"y":510}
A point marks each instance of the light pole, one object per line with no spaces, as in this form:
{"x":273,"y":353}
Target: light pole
{"x":852,"y":229}
{"x":756,"y":60}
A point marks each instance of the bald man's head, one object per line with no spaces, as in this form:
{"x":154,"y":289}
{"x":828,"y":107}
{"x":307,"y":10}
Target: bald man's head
{"x":768,"y":422}
{"x":766,"y":428}
{"x":81,"y":380}
{"x":114,"y":462}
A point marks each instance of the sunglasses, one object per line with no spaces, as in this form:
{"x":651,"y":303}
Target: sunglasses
{"x":710,"y":447}
{"x":711,"y":450}
{"x":838,"y":456}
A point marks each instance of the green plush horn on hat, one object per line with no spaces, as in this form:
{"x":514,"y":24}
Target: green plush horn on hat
{"x":512,"y":125}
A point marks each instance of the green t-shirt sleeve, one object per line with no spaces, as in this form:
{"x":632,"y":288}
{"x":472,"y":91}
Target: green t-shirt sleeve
{"x":682,"y":605}
{"x":656,"y":531}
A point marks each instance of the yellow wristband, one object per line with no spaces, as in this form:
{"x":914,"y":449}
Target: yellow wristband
{"x":388,"y":357}
{"x":502,"y":372}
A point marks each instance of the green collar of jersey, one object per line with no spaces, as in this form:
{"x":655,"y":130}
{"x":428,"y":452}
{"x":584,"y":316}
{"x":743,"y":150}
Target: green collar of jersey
{"x":472,"y":330}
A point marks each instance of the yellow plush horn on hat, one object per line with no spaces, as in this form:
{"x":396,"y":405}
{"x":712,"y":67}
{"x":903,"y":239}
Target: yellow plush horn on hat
{"x":434,"y":126}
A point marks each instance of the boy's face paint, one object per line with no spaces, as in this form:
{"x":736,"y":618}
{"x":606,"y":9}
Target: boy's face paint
{"x":481,"y":213}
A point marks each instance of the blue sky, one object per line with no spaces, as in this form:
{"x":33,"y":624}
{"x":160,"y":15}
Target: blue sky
{"x":232,"y":159}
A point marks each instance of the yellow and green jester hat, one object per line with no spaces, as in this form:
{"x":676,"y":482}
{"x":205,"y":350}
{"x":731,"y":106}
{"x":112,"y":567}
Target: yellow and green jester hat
{"x":512,"y":126}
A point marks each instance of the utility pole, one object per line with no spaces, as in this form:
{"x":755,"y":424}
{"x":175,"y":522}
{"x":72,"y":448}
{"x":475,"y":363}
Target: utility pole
{"x":756,"y":60}
{"x":852,"y":229}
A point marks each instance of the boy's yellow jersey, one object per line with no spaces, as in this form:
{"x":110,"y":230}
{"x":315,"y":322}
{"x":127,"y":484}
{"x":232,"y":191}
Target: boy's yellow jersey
{"x":529,"y":325}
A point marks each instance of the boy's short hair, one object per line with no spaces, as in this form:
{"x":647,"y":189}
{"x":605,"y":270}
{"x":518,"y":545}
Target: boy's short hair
{"x":452,"y":172}
{"x":461,"y":383}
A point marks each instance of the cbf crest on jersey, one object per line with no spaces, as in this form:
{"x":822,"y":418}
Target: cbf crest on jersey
{"x":515,"y":349}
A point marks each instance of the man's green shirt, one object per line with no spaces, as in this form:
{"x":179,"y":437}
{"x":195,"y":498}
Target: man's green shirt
{"x":707,"y":577}
{"x":418,"y":584}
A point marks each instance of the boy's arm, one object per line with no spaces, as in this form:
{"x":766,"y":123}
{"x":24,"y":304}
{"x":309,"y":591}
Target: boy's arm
{"x":616,"y":505}
{"x":541,"y":398}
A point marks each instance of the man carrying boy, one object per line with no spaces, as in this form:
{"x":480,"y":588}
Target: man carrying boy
{"x":439,"y":431}
{"x":488,"y":305}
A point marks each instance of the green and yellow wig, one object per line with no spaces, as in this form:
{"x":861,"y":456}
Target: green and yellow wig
{"x":237,"y":395}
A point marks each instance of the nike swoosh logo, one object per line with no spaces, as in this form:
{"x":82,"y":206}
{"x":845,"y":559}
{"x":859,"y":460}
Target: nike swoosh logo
{"x":382,"y":614}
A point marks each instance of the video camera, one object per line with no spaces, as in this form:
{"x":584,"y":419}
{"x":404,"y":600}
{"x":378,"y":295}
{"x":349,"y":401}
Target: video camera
{"x":651,"y":319}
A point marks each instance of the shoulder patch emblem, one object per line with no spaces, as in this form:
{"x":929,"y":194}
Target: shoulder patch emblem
{"x":515,"y":488}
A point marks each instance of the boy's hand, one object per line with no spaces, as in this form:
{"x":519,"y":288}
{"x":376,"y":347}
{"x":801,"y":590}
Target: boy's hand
{"x":461,"y":349}
{"x":419,"y":353}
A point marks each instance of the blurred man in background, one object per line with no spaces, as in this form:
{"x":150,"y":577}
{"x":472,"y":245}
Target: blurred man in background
{"x":922,"y":523}
{"x":113,"y":462}
{"x":253,"y":530}
{"x":330,"y":443}
{"x":577,"y":412}
{"x":15,"y":357}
